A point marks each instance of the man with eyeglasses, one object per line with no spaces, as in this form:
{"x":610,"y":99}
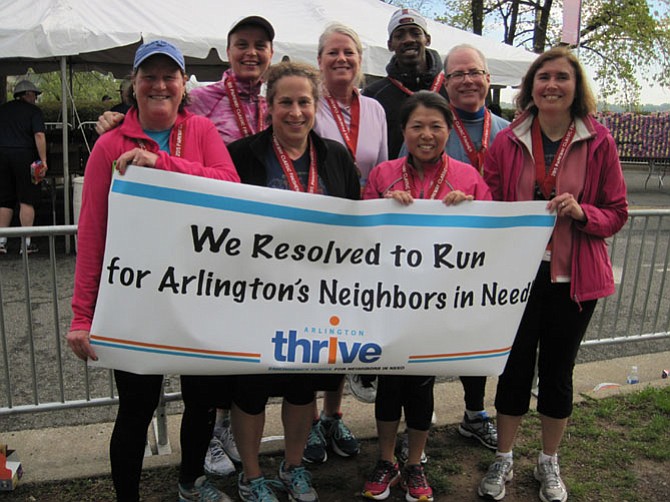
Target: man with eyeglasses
{"x":467,"y":85}
{"x":413,"y":68}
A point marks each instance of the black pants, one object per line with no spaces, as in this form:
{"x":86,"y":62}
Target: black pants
{"x":409,"y":393}
{"x":555,"y":324}
{"x":138,"y":398}
{"x":474,"y":388}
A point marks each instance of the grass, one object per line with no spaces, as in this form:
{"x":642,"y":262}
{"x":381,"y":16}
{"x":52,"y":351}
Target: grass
{"x":615,"y":449}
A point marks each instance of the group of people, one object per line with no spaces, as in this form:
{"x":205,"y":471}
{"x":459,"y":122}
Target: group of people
{"x":313,"y":131}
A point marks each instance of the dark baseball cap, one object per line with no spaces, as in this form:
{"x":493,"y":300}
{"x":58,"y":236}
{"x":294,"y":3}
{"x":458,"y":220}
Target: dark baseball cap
{"x":254,"y":21}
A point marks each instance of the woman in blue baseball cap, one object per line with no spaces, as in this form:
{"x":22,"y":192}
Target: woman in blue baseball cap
{"x":157,"y":133}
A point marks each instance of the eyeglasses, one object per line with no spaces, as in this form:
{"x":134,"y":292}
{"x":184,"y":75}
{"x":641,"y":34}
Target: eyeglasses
{"x":460,"y":75}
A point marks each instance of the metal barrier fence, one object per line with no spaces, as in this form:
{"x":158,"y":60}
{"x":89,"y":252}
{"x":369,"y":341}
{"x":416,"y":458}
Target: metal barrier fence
{"x":39,"y":373}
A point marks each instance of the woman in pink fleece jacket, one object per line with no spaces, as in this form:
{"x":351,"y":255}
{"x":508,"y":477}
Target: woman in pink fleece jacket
{"x":554,"y":151}
{"x":426,"y":173}
{"x":157,"y":133}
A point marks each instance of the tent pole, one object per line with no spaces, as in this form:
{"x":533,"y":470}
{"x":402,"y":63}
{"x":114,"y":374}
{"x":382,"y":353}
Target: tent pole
{"x":66,"y":156}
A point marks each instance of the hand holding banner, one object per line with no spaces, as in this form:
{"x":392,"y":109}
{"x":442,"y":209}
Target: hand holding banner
{"x":209,"y":277}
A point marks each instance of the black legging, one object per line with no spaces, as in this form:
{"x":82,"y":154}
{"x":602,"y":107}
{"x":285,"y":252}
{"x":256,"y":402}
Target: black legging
{"x":409,"y":393}
{"x":474,"y":388}
{"x":138,"y":398}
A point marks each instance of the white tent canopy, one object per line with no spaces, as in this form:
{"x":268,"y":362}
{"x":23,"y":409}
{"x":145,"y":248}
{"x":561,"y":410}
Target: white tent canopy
{"x":49,"y":35}
{"x":103,"y":34}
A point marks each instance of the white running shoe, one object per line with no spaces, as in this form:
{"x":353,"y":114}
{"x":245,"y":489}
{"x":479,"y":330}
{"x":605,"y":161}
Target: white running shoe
{"x":225,"y":435}
{"x":363,"y":387}
{"x":217,"y":463}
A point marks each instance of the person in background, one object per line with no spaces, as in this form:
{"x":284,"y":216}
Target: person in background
{"x":238,"y":110}
{"x":288,"y":155}
{"x":413,"y":68}
{"x":22,"y":142}
{"x":359,"y":123}
{"x":125,"y":89}
{"x":156,"y":134}
{"x":555,"y":151}
{"x":427,"y":172}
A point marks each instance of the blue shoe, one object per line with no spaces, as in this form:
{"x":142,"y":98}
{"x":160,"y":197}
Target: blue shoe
{"x":298,"y":483}
{"x":315,"y":449}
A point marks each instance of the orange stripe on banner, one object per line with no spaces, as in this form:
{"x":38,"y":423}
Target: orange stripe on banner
{"x":332,"y":350}
{"x":172,"y":347}
{"x":461,"y":354}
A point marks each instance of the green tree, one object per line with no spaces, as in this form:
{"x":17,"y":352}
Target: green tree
{"x":84,"y":86}
{"x":624,"y":41}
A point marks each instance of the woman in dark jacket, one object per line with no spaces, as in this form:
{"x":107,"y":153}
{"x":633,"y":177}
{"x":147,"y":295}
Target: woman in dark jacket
{"x":289,"y":156}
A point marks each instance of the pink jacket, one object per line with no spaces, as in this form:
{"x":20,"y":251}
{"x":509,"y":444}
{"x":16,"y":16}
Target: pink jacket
{"x":204,"y":154}
{"x":211,"y":101}
{"x":602,"y":198}
{"x":461,"y":176}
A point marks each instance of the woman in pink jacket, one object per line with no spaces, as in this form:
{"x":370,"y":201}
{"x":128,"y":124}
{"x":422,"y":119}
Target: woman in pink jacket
{"x":426,"y":173}
{"x":157,"y":133}
{"x":554,"y":151}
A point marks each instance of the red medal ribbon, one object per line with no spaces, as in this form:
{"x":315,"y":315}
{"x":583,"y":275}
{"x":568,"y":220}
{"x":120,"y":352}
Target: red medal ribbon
{"x":476,"y":157}
{"x":178,"y":145}
{"x":289,"y":170}
{"x":349,"y":134}
{"x":547,"y":180}
{"x":438,"y":82}
{"x":436,"y":183}
{"x":243,"y":124}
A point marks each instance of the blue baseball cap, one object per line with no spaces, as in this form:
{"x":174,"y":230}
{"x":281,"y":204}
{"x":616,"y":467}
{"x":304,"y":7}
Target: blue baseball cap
{"x":159,"y":47}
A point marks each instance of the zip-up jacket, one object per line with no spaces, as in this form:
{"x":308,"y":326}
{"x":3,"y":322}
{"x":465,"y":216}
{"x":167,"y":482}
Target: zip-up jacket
{"x":212,"y":101}
{"x":334,"y":165}
{"x":509,"y":170}
{"x":391,"y":97}
{"x":203,"y":154}
{"x":460,"y":176}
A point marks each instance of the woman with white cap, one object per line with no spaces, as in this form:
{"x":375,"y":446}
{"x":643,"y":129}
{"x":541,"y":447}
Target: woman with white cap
{"x":156,"y":133}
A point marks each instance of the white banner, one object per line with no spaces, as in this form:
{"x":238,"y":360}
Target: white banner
{"x":210,"y":277}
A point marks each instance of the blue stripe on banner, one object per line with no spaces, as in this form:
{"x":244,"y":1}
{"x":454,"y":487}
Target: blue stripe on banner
{"x":325,"y":218}
{"x":464,"y":358}
{"x":177,"y":354}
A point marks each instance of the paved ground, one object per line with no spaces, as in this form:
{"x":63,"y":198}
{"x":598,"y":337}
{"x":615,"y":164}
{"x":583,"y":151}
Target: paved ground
{"x":81,"y":451}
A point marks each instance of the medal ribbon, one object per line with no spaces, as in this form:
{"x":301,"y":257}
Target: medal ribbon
{"x":476,"y":157}
{"x":241,"y":118}
{"x":349,"y":134}
{"x":438,"y":82}
{"x":289,"y":170}
{"x":547,"y":180}
{"x":178,"y":144}
{"x":436,"y":183}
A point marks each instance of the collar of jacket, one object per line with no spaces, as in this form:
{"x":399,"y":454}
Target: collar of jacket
{"x":417,"y":81}
{"x":261,"y":143}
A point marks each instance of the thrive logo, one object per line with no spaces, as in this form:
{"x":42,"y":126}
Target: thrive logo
{"x":289,"y":347}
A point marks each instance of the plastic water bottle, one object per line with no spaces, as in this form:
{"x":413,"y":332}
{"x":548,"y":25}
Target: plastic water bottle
{"x":633,"y":376}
